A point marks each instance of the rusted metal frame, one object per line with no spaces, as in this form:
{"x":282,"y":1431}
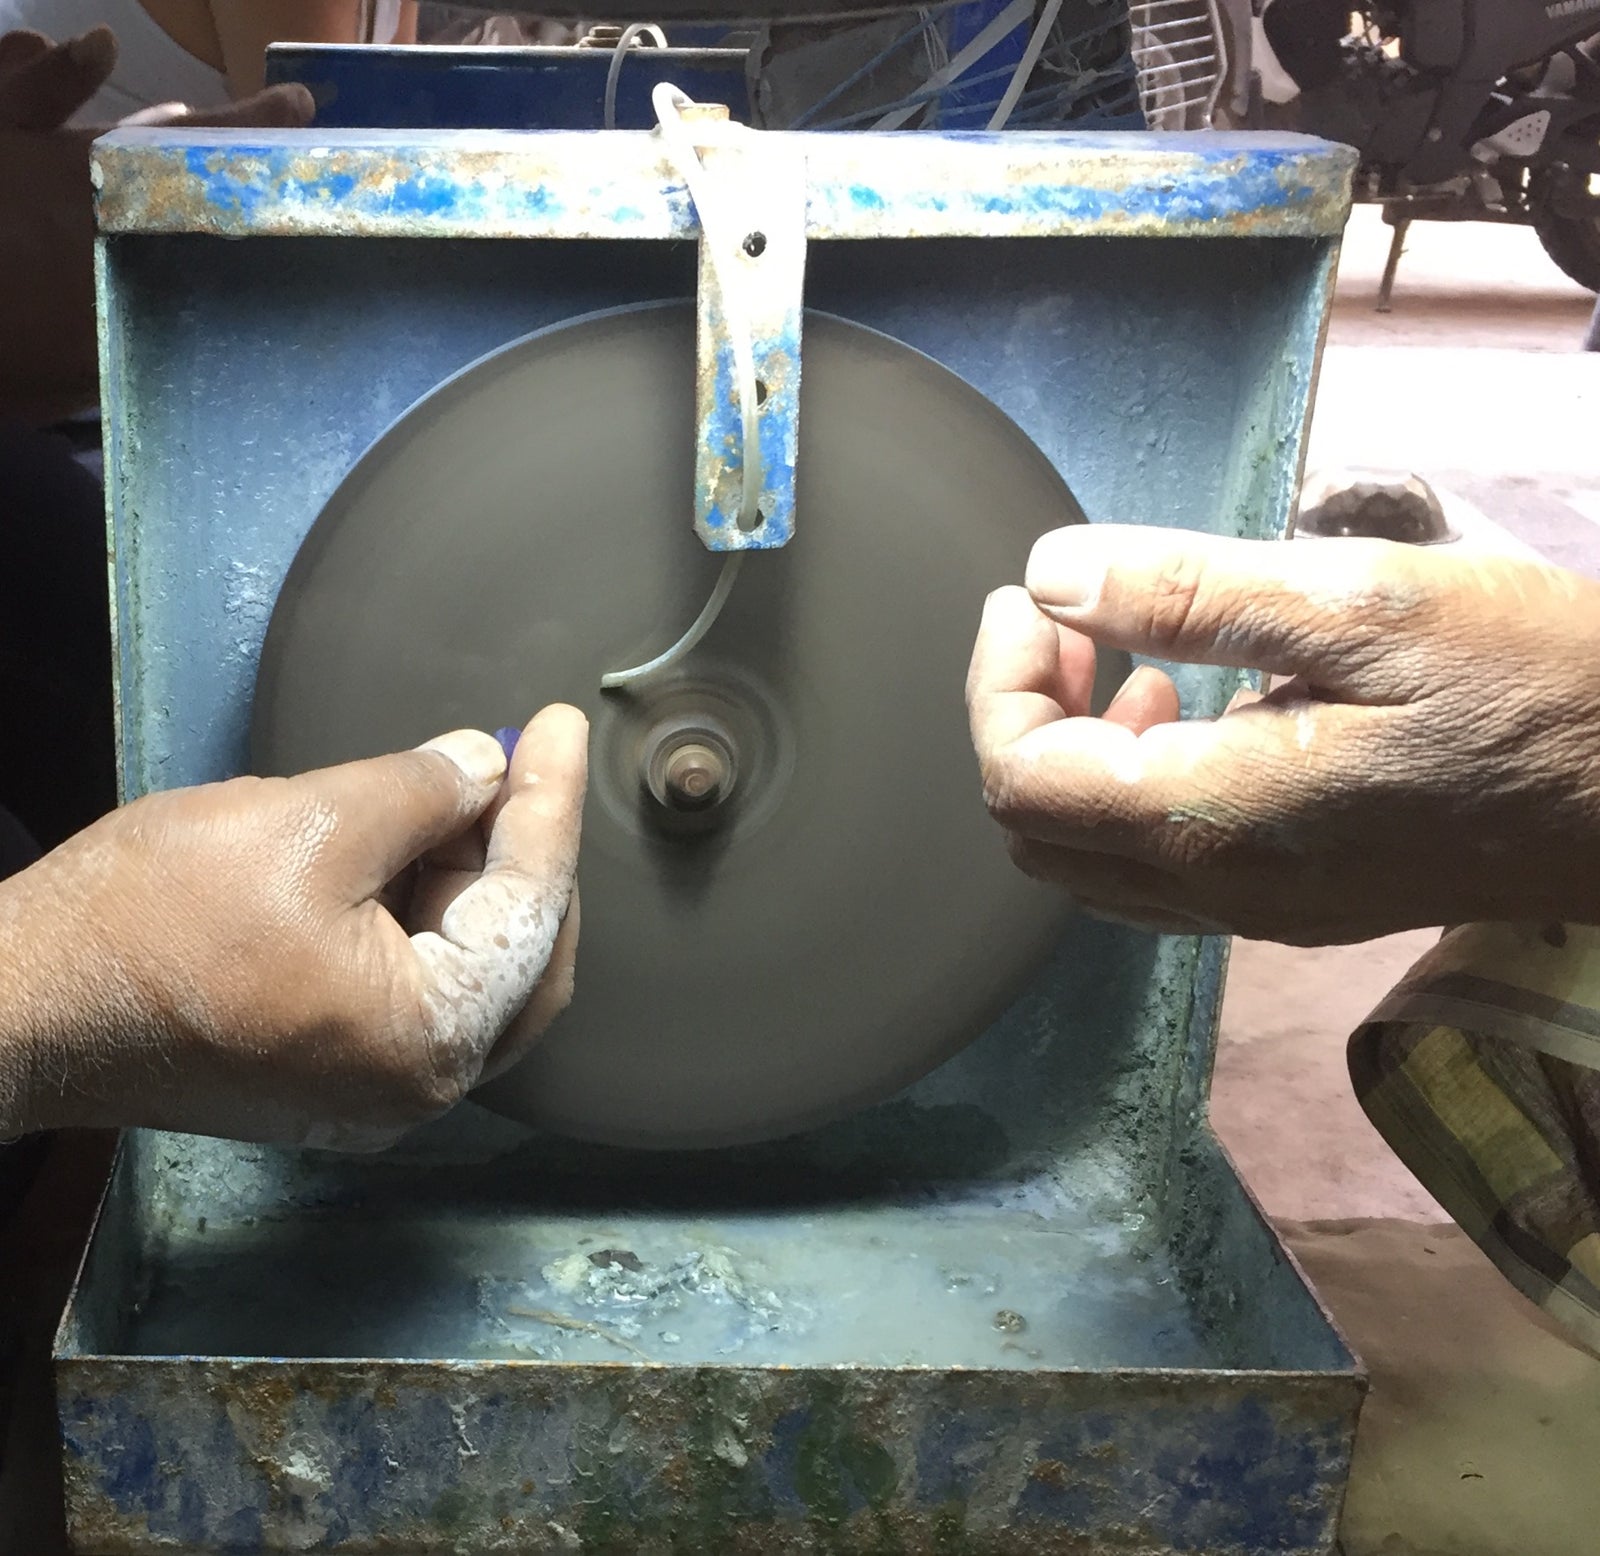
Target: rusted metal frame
{"x":621,"y":185}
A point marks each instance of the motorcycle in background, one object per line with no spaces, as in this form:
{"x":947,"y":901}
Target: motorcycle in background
{"x":1462,"y":110}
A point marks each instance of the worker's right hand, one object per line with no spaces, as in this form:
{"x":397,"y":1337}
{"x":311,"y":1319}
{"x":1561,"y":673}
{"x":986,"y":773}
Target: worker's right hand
{"x":1432,"y":758}
{"x":322,"y":960}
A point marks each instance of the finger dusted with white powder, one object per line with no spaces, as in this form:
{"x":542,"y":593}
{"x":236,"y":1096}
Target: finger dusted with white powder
{"x":496,"y":939}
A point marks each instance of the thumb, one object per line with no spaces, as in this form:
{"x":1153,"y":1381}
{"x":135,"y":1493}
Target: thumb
{"x":497,"y":938}
{"x":42,"y":89}
{"x":539,"y":813}
{"x":390,"y":810}
{"x":1312,"y":609}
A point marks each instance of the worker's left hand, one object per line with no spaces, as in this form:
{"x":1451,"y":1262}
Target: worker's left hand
{"x":48,"y":354}
{"x":1434,"y":757}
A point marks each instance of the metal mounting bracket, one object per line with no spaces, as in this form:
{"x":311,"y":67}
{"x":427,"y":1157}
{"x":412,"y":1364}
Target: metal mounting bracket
{"x":756,"y":248}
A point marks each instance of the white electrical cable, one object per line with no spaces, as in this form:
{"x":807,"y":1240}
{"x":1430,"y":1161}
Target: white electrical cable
{"x":703,"y":623}
{"x":630,"y":37}
{"x":1030,"y":58}
{"x":720,"y":237}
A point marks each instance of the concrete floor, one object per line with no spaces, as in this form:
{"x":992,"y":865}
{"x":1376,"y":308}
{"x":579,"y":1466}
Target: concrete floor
{"x":1475,"y":381}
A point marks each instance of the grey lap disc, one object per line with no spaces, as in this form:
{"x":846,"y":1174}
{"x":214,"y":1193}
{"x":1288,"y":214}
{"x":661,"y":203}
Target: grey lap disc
{"x":847,"y":918}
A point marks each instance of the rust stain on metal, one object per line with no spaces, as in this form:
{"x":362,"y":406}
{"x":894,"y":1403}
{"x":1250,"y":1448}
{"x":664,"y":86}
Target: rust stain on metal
{"x":565,"y":186}
{"x":686,"y":1460}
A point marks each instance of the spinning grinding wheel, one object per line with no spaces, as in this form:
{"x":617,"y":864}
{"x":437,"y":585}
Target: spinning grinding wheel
{"x":793,"y":902}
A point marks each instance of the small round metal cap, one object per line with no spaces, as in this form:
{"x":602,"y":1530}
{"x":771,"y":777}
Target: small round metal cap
{"x":694,"y":775}
{"x":1336,"y":503}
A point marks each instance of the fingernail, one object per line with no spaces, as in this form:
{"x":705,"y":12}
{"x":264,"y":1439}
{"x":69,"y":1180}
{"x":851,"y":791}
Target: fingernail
{"x":478,"y":755}
{"x":158,"y":113}
{"x":1136,"y":677}
{"x":1064,"y":573}
{"x":559,"y":713}
{"x":1008,"y":606}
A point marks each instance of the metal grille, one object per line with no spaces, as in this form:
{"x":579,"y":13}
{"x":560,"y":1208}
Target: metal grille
{"x":1180,"y":58}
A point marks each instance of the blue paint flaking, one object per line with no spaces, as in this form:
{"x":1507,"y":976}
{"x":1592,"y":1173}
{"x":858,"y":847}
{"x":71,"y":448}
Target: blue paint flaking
{"x":1240,"y":1475}
{"x":427,"y":195}
{"x":1158,"y":181}
{"x":252,"y":181}
{"x":130,"y":1476}
{"x":950,"y":1458}
{"x":724,"y":430}
{"x":781,"y":1463}
{"x":336,"y":186}
{"x":240,"y":1531}
{"x":221,"y":184}
{"x":192,"y":1510}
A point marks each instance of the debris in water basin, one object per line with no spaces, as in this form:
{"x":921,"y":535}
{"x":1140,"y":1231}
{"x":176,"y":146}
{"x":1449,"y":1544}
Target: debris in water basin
{"x":544,"y":1315}
{"x":962,"y":1280}
{"x":619,"y":1276}
{"x":711,"y":1273}
{"x":567,"y":1274}
{"x":1008,"y":1322}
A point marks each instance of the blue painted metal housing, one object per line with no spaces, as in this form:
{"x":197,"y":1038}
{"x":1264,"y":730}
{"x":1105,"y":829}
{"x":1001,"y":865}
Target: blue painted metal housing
{"x":372,"y":183}
{"x":1026,"y":1307}
{"x":359,"y":86}
{"x":486,"y":184}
